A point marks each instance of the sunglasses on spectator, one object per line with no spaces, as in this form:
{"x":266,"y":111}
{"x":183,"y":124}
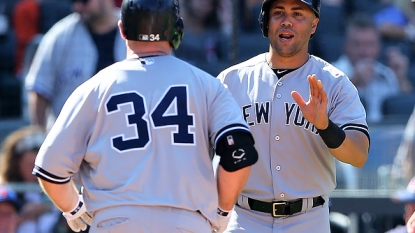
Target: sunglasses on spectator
{"x":80,"y":1}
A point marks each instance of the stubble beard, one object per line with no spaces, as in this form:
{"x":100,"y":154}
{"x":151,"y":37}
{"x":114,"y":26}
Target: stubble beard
{"x":286,"y":51}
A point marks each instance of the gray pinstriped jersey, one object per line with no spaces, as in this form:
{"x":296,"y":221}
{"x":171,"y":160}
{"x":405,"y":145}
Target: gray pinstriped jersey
{"x":141,"y":134}
{"x":293,"y":160}
{"x":66,"y":57}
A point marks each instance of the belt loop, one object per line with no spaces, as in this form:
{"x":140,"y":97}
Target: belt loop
{"x":243,"y":202}
{"x":307,"y":204}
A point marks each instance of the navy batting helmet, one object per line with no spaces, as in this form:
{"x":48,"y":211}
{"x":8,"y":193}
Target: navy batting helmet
{"x":266,"y":5}
{"x":152,"y":20}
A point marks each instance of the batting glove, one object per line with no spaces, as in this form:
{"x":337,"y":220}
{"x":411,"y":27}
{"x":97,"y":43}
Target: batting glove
{"x":78,"y":219}
{"x":223,"y":218}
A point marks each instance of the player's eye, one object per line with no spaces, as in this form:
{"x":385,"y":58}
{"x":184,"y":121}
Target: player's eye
{"x":277,"y":13}
{"x":297,"y":14}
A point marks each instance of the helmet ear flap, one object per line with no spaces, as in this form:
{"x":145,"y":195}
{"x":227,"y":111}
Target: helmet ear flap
{"x":178,"y":34}
{"x":264,"y":16}
{"x":263,"y":24}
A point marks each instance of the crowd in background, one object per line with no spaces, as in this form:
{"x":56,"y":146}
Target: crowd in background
{"x":372,"y":41}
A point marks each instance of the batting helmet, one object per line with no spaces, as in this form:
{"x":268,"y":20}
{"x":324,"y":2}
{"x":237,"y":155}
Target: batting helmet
{"x":152,"y":20}
{"x":266,"y":5}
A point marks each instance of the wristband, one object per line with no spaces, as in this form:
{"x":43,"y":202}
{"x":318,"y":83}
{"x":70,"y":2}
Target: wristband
{"x":332,"y":136}
{"x":222,"y":212}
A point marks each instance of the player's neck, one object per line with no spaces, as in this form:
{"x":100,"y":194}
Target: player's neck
{"x":276,"y":61}
{"x":146,"y":49}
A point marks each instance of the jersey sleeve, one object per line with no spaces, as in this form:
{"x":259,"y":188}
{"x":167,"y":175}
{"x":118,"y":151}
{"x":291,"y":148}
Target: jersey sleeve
{"x":224,"y":113}
{"x":346,"y":109}
{"x":41,"y":75}
{"x":63,"y":150}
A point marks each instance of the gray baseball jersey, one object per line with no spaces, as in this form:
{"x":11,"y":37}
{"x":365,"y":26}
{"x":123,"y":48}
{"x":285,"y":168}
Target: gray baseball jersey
{"x":66,"y":57}
{"x":140,"y":133}
{"x":293,"y":160}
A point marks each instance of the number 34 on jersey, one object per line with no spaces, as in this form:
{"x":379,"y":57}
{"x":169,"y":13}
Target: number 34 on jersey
{"x":181,"y":120}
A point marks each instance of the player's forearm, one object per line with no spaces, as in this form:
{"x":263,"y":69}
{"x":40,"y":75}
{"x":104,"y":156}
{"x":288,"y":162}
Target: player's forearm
{"x":354,"y":149}
{"x":64,"y":196}
{"x":37,"y":109}
{"x":230,"y":185}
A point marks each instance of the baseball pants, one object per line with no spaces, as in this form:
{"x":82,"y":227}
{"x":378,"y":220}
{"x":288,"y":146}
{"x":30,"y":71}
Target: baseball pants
{"x":146,"y":219}
{"x":249,"y":221}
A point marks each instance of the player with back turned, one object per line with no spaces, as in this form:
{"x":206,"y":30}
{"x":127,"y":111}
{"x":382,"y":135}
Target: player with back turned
{"x":303,"y":113}
{"x":139,"y":134}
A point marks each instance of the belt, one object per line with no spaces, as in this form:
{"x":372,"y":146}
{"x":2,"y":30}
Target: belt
{"x":280,"y":209}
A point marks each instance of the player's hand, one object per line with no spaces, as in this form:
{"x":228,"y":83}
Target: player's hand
{"x":410,"y":224}
{"x":364,"y":72}
{"x":78,"y":219}
{"x":223,"y":219}
{"x":315,"y":109}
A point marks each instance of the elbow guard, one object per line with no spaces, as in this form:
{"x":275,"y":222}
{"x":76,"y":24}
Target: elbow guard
{"x":236,"y":150}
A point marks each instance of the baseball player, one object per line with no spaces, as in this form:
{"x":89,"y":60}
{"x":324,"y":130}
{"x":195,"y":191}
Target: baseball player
{"x":72,"y":51}
{"x":139,"y":134}
{"x":303,"y":113}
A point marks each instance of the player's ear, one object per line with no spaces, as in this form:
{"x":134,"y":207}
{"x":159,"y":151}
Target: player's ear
{"x":314,"y":25}
{"x":121,"y":30}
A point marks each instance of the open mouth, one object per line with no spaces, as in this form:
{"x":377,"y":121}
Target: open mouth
{"x":286,"y":36}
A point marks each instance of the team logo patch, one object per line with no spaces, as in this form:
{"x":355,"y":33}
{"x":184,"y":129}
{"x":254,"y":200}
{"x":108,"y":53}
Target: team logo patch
{"x":142,"y":37}
{"x":238,"y":154}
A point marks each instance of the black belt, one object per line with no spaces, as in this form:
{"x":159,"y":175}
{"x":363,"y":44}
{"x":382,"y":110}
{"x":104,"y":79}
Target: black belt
{"x":281,"y":208}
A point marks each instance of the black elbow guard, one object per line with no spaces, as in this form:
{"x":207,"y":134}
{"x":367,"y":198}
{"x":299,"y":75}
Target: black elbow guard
{"x":236,"y":150}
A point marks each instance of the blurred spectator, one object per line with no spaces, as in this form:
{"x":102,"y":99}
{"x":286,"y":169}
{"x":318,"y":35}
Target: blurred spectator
{"x":396,"y":30}
{"x":26,"y":17}
{"x":393,"y":23}
{"x":9,"y":210}
{"x":51,"y":11}
{"x":399,"y":63}
{"x":408,"y":7}
{"x":205,"y":44}
{"x":32,"y":17}
{"x":327,"y":43}
{"x":7,"y":36}
{"x":367,"y":7}
{"x":251,"y":11}
{"x":403,"y":168}
{"x":10,"y":87}
{"x":374,"y":81}
{"x":407,"y":197}
{"x":18,"y":154}
{"x":72,"y":51}
{"x":225,"y":16}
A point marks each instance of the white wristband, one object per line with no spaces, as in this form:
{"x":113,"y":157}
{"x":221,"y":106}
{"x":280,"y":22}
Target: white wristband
{"x":77,"y":211}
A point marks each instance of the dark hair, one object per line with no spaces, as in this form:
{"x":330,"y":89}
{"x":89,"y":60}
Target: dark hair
{"x":28,"y":138}
{"x":361,"y":20}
